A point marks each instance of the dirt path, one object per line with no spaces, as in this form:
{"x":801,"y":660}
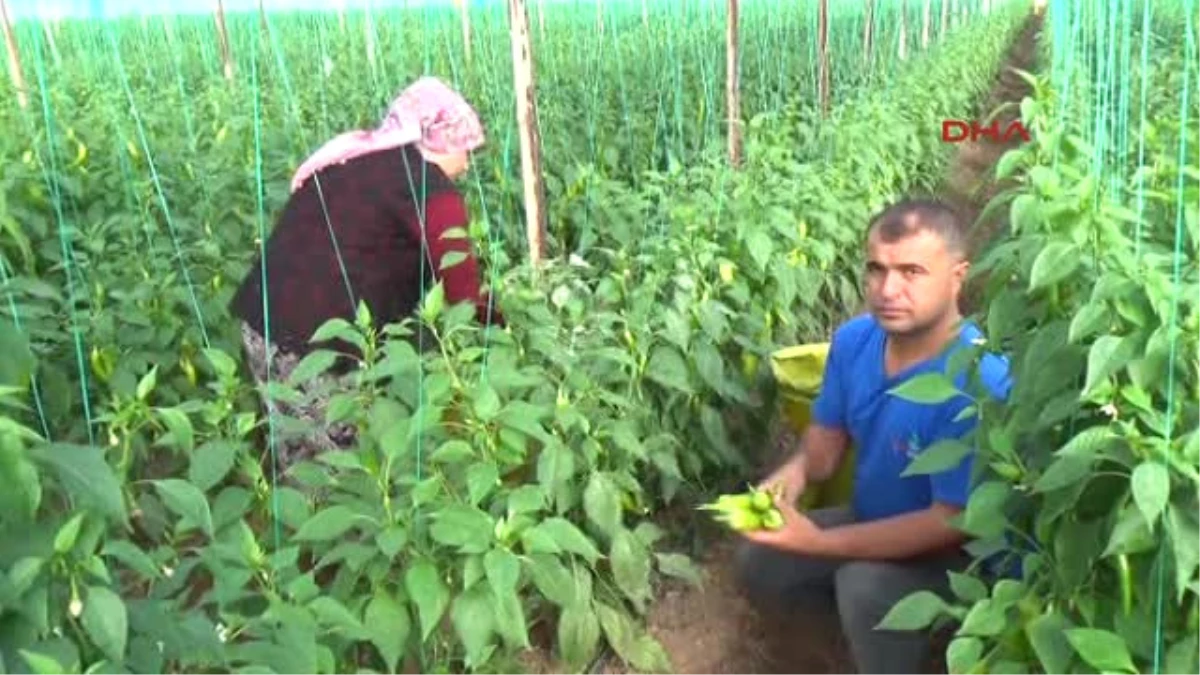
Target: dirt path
{"x":713,"y":629}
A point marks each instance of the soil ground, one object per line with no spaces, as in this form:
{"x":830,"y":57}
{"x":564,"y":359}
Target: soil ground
{"x":712,"y":628}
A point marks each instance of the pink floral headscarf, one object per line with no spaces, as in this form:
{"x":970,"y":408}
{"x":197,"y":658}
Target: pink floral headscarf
{"x":427,"y":111}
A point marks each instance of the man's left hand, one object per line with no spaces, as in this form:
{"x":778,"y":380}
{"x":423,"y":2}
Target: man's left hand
{"x":799,"y":533}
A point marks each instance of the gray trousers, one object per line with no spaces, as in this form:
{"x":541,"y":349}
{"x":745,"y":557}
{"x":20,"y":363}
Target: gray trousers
{"x":861,"y":591}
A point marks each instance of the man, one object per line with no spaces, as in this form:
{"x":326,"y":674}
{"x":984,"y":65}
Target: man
{"x":894,"y":538}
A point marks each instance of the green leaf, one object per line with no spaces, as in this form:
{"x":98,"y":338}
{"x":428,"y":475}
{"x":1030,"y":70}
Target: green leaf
{"x":503,"y":569}
{"x":526,"y":499}
{"x":679,"y":566}
{"x":913,"y":612}
{"x":453,"y":258}
{"x":668,"y":368}
{"x":454,"y":451}
{"x":553,"y":580}
{"x":392,"y":540}
{"x":1131,"y":534}
{"x":1101,"y":649}
{"x":1047,"y":636}
{"x":486,"y":402}
{"x":631,"y":568}
{"x":641,"y":651}
{"x":211,"y":462}
{"x":602,"y":503}
{"x":1088,"y":321}
{"x":132,"y":557}
{"x":985,"y":619}
{"x":186,"y":501}
{"x":42,"y":664}
{"x":329,"y":524}
{"x":1183,"y":656}
{"x":509,"y":615}
{"x":334,"y":614}
{"x":1064,"y":470}
{"x":180,"y":432}
{"x":389,"y":626}
{"x":1057,"y":261}
{"x":1107,"y":354}
{"x":1087,"y":443}
{"x":945,"y":454}
{"x":927,"y":388}
{"x":106,"y":622}
{"x":147,"y":383}
{"x":313,"y":364}
{"x":1185,"y":538}
{"x":67,"y":534}
{"x":435,"y":300}
{"x":984,"y":515}
{"x":565,"y":535}
{"x":964,"y":654}
{"x":465,"y":527}
{"x":85,"y":476}
{"x":482,"y":478}
{"x":578,"y":636}
{"x":714,"y":429}
{"x":474,"y":622}
{"x":759,"y":244}
{"x":428,"y":591}
{"x":967,"y":587}
{"x":1151,"y":484}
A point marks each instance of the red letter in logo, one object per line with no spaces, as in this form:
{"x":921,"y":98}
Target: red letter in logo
{"x":1019,"y":129}
{"x":992,"y":131}
{"x":947,"y":125}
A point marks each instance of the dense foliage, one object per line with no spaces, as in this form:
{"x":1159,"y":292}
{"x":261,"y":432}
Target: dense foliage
{"x":1092,"y":468}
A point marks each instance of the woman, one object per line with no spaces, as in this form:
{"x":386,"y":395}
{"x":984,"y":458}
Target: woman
{"x":364,"y":223}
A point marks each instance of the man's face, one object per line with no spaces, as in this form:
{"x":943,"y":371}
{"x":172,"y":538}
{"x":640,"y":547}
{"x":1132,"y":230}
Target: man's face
{"x":912,"y":283}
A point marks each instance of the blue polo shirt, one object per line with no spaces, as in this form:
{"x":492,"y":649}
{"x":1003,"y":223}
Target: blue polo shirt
{"x":888,"y":431}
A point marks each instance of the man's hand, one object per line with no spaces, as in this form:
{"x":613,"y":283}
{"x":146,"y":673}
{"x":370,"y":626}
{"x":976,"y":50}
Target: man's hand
{"x":789,"y":480}
{"x":799,"y":533}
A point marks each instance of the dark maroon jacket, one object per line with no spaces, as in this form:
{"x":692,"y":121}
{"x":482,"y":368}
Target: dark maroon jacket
{"x":365,"y":211}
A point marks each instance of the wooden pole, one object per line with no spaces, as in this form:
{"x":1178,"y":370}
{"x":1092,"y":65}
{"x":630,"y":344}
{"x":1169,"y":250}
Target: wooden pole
{"x":925,"y":20}
{"x":527,"y":122}
{"x":903,"y":48}
{"x":823,"y":58}
{"x":464,"y":8}
{"x":223,"y":41}
{"x":14,"y":58}
{"x":733,"y":96}
{"x":369,"y":30}
{"x":868,"y":31}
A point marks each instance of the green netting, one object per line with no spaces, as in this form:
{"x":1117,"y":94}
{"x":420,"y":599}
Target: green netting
{"x":144,"y":181}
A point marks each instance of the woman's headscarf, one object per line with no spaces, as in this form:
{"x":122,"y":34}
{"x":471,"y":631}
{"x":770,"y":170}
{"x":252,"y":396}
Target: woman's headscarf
{"x":427,"y":111}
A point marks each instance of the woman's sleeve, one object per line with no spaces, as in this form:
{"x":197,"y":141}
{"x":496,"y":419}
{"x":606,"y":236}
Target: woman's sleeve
{"x":445,"y":211}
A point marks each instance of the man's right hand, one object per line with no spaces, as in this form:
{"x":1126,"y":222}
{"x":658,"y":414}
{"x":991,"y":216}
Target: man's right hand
{"x":789,"y":479}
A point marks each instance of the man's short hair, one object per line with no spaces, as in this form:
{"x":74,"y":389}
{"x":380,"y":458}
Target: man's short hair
{"x":909,"y":216}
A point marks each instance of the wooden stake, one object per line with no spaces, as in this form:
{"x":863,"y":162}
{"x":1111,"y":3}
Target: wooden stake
{"x":925,"y":20}
{"x":868,"y":31}
{"x":733,"y":96}
{"x":903,"y":48}
{"x":464,"y":9}
{"x":223,"y":41}
{"x":14,"y":58}
{"x":527,"y":122}
{"x":823,"y":57}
